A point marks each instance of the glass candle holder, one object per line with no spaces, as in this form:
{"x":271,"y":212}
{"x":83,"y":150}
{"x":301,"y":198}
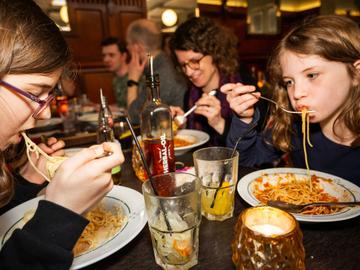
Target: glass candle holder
{"x":267,"y":238}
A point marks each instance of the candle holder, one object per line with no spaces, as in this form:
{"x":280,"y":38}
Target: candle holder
{"x":267,"y":238}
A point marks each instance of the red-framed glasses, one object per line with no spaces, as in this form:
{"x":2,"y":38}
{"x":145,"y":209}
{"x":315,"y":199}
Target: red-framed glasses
{"x":43,"y":103}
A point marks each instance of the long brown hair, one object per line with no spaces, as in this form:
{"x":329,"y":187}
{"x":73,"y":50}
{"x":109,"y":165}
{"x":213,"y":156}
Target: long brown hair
{"x":30,"y":43}
{"x":202,"y":35}
{"x":331,"y":37}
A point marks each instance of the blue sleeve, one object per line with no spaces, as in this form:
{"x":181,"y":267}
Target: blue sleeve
{"x":254,"y":149}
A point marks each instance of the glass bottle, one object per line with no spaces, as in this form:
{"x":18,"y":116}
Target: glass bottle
{"x":156,"y":131}
{"x":105,"y":132}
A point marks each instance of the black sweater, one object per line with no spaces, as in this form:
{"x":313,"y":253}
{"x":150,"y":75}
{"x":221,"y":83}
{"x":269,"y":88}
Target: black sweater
{"x":46,"y":241}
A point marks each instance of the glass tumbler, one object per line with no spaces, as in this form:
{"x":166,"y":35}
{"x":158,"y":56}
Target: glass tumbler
{"x":174,"y":218}
{"x":217,"y":170}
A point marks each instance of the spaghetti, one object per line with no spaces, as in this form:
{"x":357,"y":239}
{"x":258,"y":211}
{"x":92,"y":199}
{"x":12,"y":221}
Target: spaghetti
{"x":103,"y":225}
{"x":305,"y":129}
{"x":52,"y":163}
{"x":296,"y":191}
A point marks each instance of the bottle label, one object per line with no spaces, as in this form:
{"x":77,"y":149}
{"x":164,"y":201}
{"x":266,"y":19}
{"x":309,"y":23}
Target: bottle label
{"x":116,"y":169}
{"x":160,"y":155}
{"x":164,"y":154}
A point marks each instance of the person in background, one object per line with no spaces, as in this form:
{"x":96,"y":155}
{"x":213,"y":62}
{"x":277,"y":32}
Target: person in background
{"x":315,"y":66}
{"x":115,"y":57}
{"x":144,"y":36}
{"x":207,"y":55}
{"x":30,"y":68}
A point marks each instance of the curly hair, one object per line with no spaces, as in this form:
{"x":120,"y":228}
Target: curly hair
{"x":202,"y":35}
{"x":30,"y":43}
{"x":331,"y":37}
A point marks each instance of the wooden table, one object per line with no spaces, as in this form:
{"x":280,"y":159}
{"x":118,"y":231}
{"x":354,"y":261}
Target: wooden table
{"x":331,"y":246}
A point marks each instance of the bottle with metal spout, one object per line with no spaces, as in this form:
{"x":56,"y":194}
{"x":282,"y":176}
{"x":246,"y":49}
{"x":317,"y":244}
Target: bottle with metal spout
{"x":155,"y":128}
{"x":105,"y":132}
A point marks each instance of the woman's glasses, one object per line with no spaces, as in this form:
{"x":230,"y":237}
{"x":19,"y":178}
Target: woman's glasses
{"x":194,"y":64}
{"x":43,"y":103}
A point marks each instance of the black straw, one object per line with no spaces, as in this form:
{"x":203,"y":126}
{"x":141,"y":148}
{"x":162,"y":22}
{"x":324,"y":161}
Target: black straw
{"x":141,"y":152}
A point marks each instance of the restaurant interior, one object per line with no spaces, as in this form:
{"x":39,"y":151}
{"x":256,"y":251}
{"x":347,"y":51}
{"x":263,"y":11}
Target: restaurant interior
{"x":225,"y":225}
{"x":258,"y":24}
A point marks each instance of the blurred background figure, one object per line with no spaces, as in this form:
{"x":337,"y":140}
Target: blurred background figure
{"x":115,"y":57}
{"x":206,"y":53}
{"x":144,"y":36}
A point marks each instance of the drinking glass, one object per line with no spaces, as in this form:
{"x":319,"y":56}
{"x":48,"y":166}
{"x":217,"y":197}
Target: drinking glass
{"x":217,"y":170}
{"x":174,"y":218}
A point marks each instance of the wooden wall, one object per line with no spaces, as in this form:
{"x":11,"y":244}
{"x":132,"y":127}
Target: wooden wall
{"x":253,"y":49}
{"x":90,"y":22}
{"x":93,"y":20}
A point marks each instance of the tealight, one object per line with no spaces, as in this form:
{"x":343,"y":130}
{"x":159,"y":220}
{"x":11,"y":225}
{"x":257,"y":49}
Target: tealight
{"x":267,"y":238}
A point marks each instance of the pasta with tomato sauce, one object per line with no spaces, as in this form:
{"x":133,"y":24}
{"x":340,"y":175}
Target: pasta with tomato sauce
{"x":295,"y":191}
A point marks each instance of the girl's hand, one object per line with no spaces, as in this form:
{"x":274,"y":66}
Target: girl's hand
{"x":241,"y":102}
{"x":83,"y":180}
{"x":52,"y":147}
{"x":210,"y":107}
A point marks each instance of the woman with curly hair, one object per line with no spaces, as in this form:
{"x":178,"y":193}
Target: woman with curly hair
{"x":316,"y":66}
{"x":207,"y":54}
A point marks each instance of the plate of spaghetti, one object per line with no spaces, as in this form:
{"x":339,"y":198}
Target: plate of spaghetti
{"x":187,"y":139}
{"x":300,"y":186}
{"x":114,"y":222}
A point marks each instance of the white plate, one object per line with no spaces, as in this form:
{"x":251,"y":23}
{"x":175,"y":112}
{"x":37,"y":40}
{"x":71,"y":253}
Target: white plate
{"x":338,"y":187}
{"x":94,"y":117}
{"x":89,"y":117}
{"x":132,"y":203}
{"x":199,"y":137}
{"x":48,"y":122}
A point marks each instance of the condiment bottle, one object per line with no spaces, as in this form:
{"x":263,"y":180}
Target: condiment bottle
{"x":105,"y":132}
{"x":156,"y":128}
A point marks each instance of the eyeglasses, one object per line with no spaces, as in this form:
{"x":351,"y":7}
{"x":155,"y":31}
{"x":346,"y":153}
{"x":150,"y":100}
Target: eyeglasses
{"x":194,"y":64}
{"x":43,"y":103}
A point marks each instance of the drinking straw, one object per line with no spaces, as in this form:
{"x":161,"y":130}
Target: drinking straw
{"x":141,"y":152}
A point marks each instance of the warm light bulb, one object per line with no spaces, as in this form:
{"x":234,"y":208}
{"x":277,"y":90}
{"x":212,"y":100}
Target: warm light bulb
{"x":169,"y":17}
{"x":64,"y":14}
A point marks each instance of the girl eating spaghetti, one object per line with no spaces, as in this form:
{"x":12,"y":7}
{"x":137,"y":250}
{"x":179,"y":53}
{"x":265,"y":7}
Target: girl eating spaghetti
{"x":33,"y":56}
{"x":316,"y":67}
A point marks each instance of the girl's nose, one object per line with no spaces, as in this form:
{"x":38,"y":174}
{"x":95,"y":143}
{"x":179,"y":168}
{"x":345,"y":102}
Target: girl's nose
{"x":300,"y":91}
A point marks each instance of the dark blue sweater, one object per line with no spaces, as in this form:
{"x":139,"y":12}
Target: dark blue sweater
{"x":326,"y":155}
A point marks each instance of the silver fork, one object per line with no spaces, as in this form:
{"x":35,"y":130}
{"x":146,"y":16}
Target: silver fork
{"x":282,"y":108}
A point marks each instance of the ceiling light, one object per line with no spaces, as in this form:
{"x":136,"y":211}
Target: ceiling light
{"x":169,"y":17}
{"x":64,"y":14}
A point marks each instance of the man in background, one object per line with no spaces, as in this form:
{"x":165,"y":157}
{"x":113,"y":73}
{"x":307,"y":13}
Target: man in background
{"x":115,"y":57}
{"x":144,"y":36}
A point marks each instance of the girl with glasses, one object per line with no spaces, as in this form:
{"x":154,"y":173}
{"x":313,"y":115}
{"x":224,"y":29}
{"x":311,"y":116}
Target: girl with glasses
{"x":33,"y":57}
{"x":207,"y":55}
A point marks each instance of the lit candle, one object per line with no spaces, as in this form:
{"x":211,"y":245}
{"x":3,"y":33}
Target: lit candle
{"x":267,"y":236}
{"x":267,"y":229}
{"x":269,"y":221}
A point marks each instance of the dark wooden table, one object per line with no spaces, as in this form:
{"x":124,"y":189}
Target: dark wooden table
{"x":328,"y":246}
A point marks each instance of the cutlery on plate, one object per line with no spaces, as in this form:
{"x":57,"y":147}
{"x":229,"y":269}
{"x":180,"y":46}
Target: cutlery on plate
{"x":297,"y":208}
